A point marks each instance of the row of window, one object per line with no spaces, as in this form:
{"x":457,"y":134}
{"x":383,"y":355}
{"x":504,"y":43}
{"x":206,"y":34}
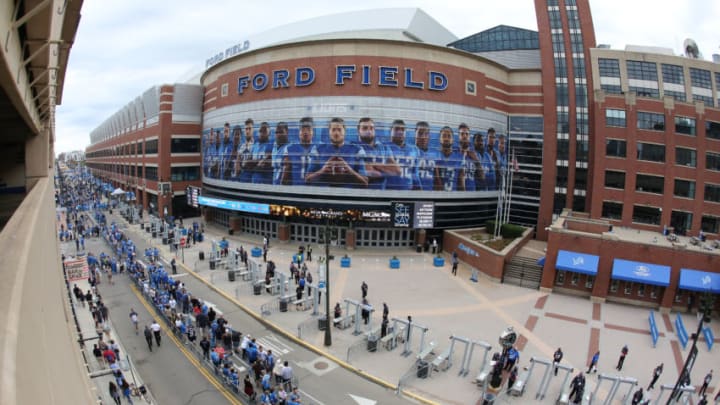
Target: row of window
{"x":652,"y":152}
{"x":177,"y":145}
{"x":648,"y":72}
{"x":656,"y":184}
{"x":561,"y":276}
{"x":184,"y":173}
{"x":656,"y":122}
{"x":643,"y":214}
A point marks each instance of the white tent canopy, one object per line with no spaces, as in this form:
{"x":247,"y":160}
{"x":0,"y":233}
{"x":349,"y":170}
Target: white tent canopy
{"x":118,"y":191}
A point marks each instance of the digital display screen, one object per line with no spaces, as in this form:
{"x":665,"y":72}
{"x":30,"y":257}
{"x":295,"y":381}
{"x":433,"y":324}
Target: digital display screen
{"x":359,"y":154}
{"x":234,"y":205}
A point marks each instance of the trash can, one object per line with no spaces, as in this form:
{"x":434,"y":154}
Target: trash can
{"x":212,"y":264}
{"x":372,"y":343}
{"x":322,"y":323}
{"x":423,"y":367}
{"x":202,"y":255}
{"x":154,"y":234}
{"x":418,"y":248}
{"x":283,"y":305}
{"x":142,"y":226}
{"x":488,"y":398}
{"x":231,"y":275}
{"x":164,"y":241}
{"x":257,"y":289}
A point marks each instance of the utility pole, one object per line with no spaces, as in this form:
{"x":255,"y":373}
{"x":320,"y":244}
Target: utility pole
{"x":328,"y":322}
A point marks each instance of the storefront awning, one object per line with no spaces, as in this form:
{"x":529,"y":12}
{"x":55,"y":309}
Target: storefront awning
{"x":577,"y":262}
{"x":696,"y":280}
{"x":638,"y":272}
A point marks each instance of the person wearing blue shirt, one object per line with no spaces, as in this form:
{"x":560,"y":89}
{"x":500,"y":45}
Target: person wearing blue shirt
{"x":296,"y":160}
{"x":209,"y":154}
{"x":244,"y":154}
{"x":485,"y":174}
{"x":406,"y":157}
{"x":449,"y":173}
{"x":425,"y":177}
{"x":470,"y":160}
{"x":225,"y":153}
{"x":337,"y":164}
{"x":279,"y":151}
{"x":379,"y":162}
{"x":261,"y":163}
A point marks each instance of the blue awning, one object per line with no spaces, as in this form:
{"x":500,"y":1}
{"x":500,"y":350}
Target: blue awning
{"x":696,"y":280}
{"x":541,"y":261}
{"x":638,"y":272}
{"x":577,"y":262}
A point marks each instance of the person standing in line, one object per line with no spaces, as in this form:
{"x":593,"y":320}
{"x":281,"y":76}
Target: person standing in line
{"x":656,"y":374}
{"x":593,"y":363}
{"x":364,"y":289}
{"x":156,"y":331}
{"x":287,"y":374}
{"x":126,"y":391}
{"x":386,"y":311}
{"x":557,"y":358}
{"x":706,"y":382}
{"x":114,"y":394}
{"x":637,"y":397}
{"x":577,"y":388}
{"x":621,"y":360}
{"x":148,"y":337}
{"x":309,"y":253}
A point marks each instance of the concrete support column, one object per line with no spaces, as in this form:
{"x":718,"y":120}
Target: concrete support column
{"x":284,"y":232}
{"x":236,"y":224}
{"x":37,"y":155}
{"x":420,"y":236}
{"x":350,"y":239}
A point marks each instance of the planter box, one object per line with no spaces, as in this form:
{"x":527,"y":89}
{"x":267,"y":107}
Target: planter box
{"x":394,"y":263}
{"x":256,"y":252}
{"x":439,"y":261}
{"x":345,"y":262}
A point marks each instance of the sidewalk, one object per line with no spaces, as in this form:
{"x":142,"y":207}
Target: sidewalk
{"x":455,"y":306}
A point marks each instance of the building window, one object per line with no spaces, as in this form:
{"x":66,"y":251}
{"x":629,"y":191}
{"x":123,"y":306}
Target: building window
{"x":560,"y":278}
{"x":574,"y":279}
{"x":642,"y":70}
{"x":641,"y":290}
{"x":563,"y":149}
{"x":613,"y":286}
{"x":680,"y":221}
{"x":700,"y":78}
{"x":709,"y":224}
{"x":651,"y":152}
{"x":614,"y":179}
{"x":589,"y":280}
{"x":470,"y":88}
{"x":627,"y":290}
{"x":651,"y":121}
{"x":612,"y":210}
{"x":712,"y":161}
{"x":615,"y":148}
{"x":677,"y":95}
{"x":224,"y":90}
{"x":581,"y":178}
{"x":649,"y":184}
{"x":185,"y":145}
{"x":151,"y":173}
{"x":686,"y":157}
{"x":561,"y":91}
{"x":712,"y":193}
{"x":188,"y":173}
{"x":673,"y":74}
{"x":615,"y":118}
{"x":646,"y":215}
{"x":684,"y":188}
{"x":151,"y":147}
{"x":685,"y":125}
{"x":712,"y":129}
{"x":708,"y":101}
{"x":678,"y":297}
{"x":609,"y":67}
{"x":653,"y":292}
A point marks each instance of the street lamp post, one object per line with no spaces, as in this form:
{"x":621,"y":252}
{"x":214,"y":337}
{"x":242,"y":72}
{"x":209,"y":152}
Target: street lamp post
{"x":328,"y":323}
{"x":706,"y":305}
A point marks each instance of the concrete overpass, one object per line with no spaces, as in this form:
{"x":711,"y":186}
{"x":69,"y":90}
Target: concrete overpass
{"x":40,"y":362}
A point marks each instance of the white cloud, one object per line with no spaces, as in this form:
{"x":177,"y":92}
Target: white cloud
{"x":124,"y":48}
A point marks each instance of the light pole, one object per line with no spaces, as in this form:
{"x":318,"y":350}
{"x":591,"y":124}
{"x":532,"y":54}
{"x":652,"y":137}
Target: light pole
{"x":705,"y":307}
{"x":328,"y":323}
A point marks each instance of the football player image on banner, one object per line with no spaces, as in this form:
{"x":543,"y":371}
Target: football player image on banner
{"x":296,"y":159}
{"x":244,"y":154}
{"x":379,"y":162}
{"x":261,"y":163}
{"x":484,"y":172}
{"x":468,"y":157}
{"x":225,"y":151}
{"x":426,"y":158}
{"x":278,"y":151}
{"x":337,"y":164}
{"x":406,"y":157}
{"x":449,"y":173}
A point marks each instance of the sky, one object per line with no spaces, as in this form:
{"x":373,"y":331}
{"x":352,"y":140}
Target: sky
{"x":123,"y":48}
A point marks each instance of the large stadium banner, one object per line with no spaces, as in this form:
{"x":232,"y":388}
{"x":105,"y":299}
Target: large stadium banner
{"x":363,"y":153}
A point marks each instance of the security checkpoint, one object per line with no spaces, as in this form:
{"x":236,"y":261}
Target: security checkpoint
{"x":564,"y":397}
{"x":409,"y":325}
{"x":345,"y":321}
{"x":518,"y":388}
{"x":686,"y":393}
{"x":616,"y":382}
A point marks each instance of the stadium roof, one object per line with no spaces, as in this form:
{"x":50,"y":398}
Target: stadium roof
{"x":500,"y":38}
